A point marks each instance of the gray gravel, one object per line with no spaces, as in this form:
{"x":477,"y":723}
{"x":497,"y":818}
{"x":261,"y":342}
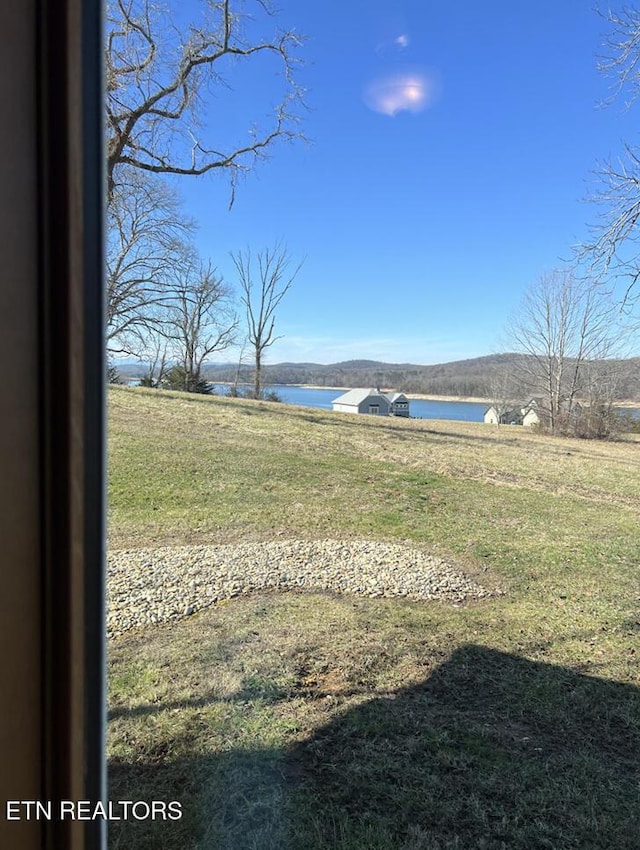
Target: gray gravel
{"x":146,"y":586}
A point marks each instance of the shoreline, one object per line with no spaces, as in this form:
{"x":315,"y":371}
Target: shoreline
{"x":417,"y":396}
{"x":622,"y":403}
{"x":625,"y":404}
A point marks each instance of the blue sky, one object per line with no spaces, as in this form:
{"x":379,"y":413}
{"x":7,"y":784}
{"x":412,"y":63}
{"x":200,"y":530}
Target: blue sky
{"x":421,"y":226}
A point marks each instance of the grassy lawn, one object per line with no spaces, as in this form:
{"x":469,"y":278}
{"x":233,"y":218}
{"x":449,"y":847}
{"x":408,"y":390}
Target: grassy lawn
{"x":297,"y":721}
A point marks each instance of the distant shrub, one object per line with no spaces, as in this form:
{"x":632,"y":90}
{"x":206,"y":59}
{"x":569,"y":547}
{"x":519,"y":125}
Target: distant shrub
{"x":600,"y":422}
{"x":264,"y":395}
{"x":113,"y":376}
{"x":178,"y":379}
{"x":272,"y":395}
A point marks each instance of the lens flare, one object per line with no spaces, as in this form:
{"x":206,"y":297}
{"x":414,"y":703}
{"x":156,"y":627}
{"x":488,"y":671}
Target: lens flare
{"x":400,"y":92}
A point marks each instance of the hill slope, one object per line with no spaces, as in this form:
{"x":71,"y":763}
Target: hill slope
{"x":315,"y":721}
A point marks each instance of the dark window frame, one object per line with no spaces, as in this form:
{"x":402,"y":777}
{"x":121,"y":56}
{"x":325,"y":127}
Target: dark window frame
{"x":52,"y":614}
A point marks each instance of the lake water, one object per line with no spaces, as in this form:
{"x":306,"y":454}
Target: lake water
{"x":419,"y":408}
{"x":463,"y":411}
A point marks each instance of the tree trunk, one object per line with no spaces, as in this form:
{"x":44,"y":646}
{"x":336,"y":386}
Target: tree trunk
{"x":257,"y":385}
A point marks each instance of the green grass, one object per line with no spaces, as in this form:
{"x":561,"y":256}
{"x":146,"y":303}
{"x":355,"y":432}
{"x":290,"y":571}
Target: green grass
{"x":320,"y":721}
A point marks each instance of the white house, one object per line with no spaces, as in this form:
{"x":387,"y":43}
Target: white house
{"x":531,"y":413}
{"x":535,"y":412}
{"x":373,"y":402}
{"x":507,"y":417}
{"x":528,"y":415}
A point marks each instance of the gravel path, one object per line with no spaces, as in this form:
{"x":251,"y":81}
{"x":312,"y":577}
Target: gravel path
{"x":146,"y":586}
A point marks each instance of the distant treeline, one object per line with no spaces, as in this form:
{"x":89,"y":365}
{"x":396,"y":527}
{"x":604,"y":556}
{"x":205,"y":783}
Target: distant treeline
{"x":474,"y":377}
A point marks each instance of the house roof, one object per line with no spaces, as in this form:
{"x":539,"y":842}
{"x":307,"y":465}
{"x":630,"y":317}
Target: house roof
{"x":358,"y":395}
{"x":511,"y":413}
{"x":393,"y":397}
{"x":530,"y":406}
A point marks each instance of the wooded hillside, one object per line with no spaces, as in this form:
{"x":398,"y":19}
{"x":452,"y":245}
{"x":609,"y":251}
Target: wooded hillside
{"x":472,"y":377}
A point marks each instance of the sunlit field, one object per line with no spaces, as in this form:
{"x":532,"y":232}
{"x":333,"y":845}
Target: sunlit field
{"x":308,"y":719}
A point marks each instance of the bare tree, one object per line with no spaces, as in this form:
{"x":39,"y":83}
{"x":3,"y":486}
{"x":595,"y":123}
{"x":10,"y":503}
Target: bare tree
{"x":233,"y":389}
{"x":563,"y":328}
{"x":146,"y":236}
{"x":154,"y":354}
{"x":504,"y":392}
{"x":158,"y":76}
{"x":160,"y":81}
{"x":200,"y":321}
{"x":264,"y":280}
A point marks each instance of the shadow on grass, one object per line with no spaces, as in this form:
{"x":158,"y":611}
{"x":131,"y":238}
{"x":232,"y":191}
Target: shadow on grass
{"x":491,"y":752}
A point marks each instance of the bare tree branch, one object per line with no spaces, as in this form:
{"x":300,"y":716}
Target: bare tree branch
{"x":146,"y":236}
{"x":621,"y":60}
{"x":155,"y":78}
{"x":611,"y":252}
{"x":154,"y":353}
